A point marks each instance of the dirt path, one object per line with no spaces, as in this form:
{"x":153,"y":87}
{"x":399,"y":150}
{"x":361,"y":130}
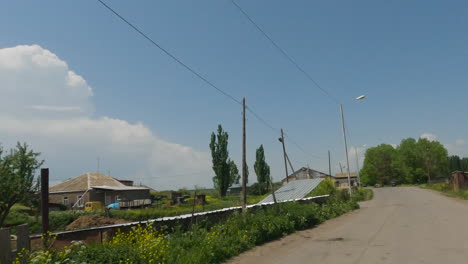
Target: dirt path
{"x":400,"y":225}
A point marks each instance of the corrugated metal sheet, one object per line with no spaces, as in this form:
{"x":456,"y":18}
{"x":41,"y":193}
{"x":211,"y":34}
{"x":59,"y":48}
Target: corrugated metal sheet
{"x":294,"y":190}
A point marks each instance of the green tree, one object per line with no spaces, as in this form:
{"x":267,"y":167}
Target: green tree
{"x":262,"y":169}
{"x":455,"y":163}
{"x":234,"y":175}
{"x":379,"y":165}
{"x":226,"y":172}
{"x":413,"y":161}
{"x":464,"y":164}
{"x":434,"y":155}
{"x":17,"y":171}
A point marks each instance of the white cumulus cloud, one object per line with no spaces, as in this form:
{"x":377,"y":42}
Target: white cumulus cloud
{"x":49,"y":106}
{"x":429,"y":136}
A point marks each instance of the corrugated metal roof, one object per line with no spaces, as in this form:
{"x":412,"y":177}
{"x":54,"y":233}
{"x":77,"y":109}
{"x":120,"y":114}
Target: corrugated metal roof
{"x":119,"y":188}
{"x":294,"y":190}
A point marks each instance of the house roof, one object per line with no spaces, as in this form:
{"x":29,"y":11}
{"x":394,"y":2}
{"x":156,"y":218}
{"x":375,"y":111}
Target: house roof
{"x":294,"y":190}
{"x":119,"y":188}
{"x":87,"y":181}
{"x":345,"y":175}
{"x":310,"y":171}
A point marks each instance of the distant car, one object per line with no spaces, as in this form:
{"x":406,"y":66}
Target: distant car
{"x":377,"y":185}
{"x":393,"y":183}
{"x":363,"y":185}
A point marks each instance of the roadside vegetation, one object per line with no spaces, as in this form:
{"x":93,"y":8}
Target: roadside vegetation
{"x":446,"y":189}
{"x":203,"y":243}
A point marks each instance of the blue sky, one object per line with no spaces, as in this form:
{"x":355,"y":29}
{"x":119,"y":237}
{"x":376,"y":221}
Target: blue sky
{"x":409,"y":58}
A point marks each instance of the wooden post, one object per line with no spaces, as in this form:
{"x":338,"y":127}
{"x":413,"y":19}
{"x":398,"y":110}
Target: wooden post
{"x":244,"y":162}
{"x":290,"y":165}
{"x":5,"y":246}
{"x":45,"y":200}
{"x":193,"y":207}
{"x":281,"y":139}
{"x":329,"y":164}
{"x":272,"y":190}
{"x":23,"y":238}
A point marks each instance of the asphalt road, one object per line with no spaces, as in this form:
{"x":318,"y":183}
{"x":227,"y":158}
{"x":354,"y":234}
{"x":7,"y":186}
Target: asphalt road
{"x":400,"y":225}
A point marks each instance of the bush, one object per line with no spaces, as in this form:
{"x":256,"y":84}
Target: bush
{"x":202,"y":244}
{"x":362,"y":194}
{"x":258,"y":189}
{"x":327,"y":186}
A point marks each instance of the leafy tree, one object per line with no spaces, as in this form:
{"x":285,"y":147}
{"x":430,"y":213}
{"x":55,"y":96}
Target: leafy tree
{"x":379,"y":165}
{"x":234,"y":175}
{"x":262,"y":169}
{"x":17,"y":170}
{"x":434,"y":157}
{"x":226,"y":172}
{"x":464,"y":164}
{"x":455,"y":163}
{"x":413,"y":161}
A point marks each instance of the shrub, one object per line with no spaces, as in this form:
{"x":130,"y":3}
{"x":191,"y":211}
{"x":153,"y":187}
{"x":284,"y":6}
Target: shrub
{"x":202,"y":244}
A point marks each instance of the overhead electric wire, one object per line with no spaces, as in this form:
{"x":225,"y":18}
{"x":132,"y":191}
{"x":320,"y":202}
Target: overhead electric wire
{"x":257,"y":116}
{"x":282,"y":51}
{"x":170,"y":54}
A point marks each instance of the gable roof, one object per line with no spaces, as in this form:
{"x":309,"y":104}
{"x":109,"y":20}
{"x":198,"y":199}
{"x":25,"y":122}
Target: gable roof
{"x":85,"y":182}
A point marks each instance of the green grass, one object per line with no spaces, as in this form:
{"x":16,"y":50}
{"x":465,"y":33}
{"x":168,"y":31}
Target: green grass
{"x":202,"y":244}
{"x":327,"y":186}
{"x":164,"y":211}
{"x":446,"y":190}
{"x":59,"y":220}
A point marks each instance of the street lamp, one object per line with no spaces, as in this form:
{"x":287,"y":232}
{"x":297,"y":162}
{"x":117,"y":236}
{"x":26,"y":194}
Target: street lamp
{"x":345,"y":142}
{"x":355,"y":149}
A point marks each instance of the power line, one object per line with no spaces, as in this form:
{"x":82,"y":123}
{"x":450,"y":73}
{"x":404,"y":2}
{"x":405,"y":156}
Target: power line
{"x":282,"y":51}
{"x":170,"y":54}
{"x":257,"y":116}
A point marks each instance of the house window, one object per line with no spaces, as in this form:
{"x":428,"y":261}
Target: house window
{"x":117,"y":198}
{"x":65,"y":200}
{"x":80,"y":200}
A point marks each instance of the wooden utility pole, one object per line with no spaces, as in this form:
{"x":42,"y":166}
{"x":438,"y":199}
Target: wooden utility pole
{"x":272,"y":190}
{"x":45,"y":200}
{"x":281,"y":139}
{"x":290,"y":165}
{"x":244,"y":162}
{"x":329,"y":164}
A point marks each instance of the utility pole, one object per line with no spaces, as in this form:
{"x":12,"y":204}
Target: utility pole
{"x":357,"y":167}
{"x":244,"y":162}
{"x":272,"y":190}
{"x":281,"y":139}
{"x":341,"y":168}
{"x":329,"y":164}
{"x":45,"y":201}
{"x":290,"y":165}
{"x":346,"y":149}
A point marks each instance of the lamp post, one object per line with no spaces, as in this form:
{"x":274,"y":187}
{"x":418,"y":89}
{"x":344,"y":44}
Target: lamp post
{"x":346,"y":144}
{"x":355,"y":149}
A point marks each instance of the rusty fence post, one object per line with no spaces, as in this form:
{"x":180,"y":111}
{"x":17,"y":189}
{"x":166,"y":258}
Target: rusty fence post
{"x":5,"y":246}
{"x":23,"y":241}
{"x":45,"y":204}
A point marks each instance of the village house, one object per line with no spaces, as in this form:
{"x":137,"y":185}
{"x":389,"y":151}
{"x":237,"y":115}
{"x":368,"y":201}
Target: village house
{"x":305,"y":173}
{"x":341,"y":180}
{"x":95,"y":187}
